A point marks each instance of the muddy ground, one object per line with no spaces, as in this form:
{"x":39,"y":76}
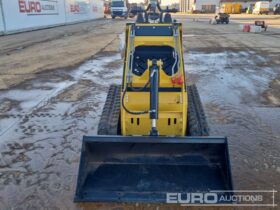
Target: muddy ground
{"x":53,"y":86}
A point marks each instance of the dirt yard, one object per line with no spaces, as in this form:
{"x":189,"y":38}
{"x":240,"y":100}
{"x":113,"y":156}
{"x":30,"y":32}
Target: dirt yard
{"x":53,"y":86}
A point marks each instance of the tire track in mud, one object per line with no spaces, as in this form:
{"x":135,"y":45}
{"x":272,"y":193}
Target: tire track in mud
{"x":41,"y":150}
{"x":40,"y":153}
{"x":50,"y":91}
{"x":60,"y":34}
{"x":230,"y":85}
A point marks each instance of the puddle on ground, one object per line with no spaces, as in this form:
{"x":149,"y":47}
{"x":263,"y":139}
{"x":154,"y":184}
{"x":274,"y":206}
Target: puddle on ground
{"x":41,"y":126}
{"x":231,"y":86}
{"x":41,"y":129}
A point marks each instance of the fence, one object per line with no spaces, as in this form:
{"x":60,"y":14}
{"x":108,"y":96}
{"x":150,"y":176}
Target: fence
{"x":24,"y":15}
{"x":1,"y":20}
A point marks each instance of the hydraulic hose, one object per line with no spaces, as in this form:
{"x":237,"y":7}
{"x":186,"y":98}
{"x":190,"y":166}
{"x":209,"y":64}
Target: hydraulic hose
{"x":134,"y":89}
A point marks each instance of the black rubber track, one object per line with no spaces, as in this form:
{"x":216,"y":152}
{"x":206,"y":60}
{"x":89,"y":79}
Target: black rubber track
{"x":109,"y":123}
{"x":197,"y":123}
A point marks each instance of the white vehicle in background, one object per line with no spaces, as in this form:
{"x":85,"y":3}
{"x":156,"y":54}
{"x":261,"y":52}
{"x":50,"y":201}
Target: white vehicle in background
{"x":119,"y":9}
{"x":261,"y":7}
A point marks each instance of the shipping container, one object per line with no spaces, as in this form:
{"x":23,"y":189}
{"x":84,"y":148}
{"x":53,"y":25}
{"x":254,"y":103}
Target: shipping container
{"x":231,"y":8}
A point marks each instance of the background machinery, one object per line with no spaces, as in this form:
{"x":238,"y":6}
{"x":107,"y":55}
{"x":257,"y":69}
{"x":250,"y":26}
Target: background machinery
{"x":153,"y":135}
{"x":222,"y":18}
{"x":276,"y":9}
{"x":119,"y":8}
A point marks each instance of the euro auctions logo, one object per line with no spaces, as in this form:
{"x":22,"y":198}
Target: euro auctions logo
{"x":256,"y":198}
{"x":29,"y":6}
{"x":75,"y":8}
{"x":183,"y":198}
{"x":38,"y":7}
{"x":79,"y":8}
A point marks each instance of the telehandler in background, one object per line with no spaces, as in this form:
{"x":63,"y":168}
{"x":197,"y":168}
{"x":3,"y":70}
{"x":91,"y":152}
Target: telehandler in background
{"x":153,"y":135}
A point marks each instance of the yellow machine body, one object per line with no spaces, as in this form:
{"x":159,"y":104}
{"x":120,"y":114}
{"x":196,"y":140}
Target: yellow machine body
{"x":153,"y":135}
{"x":172,"y":119}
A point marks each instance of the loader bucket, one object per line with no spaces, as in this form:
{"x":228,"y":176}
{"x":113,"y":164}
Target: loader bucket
{"x":144,"y":169}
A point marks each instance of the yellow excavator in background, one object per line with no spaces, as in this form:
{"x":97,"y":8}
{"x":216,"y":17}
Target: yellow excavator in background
{"x":153,"y":137}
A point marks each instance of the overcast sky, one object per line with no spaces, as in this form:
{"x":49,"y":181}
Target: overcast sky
{"x":164,"y":2}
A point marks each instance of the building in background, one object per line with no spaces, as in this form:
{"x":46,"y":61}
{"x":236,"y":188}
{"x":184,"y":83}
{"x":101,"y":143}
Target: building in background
{"x":211,"y":6}
{"x":173,"y":6}
{"x":247,"y":3}
{"x":186,"y":5}
{"x":199,"y":6}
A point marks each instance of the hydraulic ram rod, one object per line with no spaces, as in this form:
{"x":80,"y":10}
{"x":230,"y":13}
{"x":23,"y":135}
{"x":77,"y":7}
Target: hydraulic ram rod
{"x":154,"y":78}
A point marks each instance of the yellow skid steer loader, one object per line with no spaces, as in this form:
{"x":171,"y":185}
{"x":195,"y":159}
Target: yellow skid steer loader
{"x":153,"y":135}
